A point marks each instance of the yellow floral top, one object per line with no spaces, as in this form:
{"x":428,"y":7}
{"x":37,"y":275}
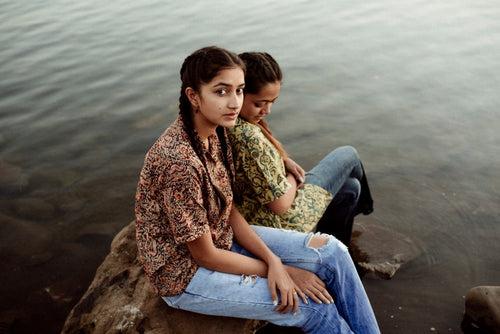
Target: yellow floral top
{"x":261,"y":178}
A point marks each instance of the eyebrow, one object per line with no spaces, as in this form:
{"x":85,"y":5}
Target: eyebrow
{"x":227,"y":85}
{"x":272,"y":101}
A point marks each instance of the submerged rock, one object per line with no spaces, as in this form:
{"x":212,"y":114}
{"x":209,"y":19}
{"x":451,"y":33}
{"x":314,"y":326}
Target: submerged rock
{"x":121,"y":300}
{"x":482,"y":310}
{"x":379,"y":252}
{"x":12,"y":179}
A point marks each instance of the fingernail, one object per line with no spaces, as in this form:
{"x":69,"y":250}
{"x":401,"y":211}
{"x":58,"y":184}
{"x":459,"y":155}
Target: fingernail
{"x":328,"y":302}
{"x":332,"y":300}
{"x":275,"y":302}
{"x":307,"y":302}
{"x":320,"y":302}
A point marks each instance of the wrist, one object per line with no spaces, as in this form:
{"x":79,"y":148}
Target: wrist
{"x":272,"y":259}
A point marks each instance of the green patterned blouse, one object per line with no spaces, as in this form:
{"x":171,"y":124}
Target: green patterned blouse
{"x":261,"y":178}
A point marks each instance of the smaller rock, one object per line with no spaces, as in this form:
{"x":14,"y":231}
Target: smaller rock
{"x":378,"y":251}
{"x":482,"y":310}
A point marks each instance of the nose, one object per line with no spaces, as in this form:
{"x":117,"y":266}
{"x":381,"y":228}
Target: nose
{"x":267,"y":109}
{"x":235,"y":101}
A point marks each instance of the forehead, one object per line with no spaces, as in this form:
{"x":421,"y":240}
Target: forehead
{"x":269,"y":92}
{"x":229,"y":76}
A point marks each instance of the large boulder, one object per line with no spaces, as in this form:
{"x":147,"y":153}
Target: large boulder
{"x":121,"y":300}
{"x":482,"y":310}
{"x":379,"y":251}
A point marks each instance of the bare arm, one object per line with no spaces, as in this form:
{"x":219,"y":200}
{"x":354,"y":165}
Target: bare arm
{"x":281,"y":204}
{"x":208,"y":256}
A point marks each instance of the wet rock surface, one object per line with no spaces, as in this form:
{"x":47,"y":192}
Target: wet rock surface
{"x":12,"y":179}
{"x":121,"y":300}
{"x":482,"y":310}
{"x":379,"y":251}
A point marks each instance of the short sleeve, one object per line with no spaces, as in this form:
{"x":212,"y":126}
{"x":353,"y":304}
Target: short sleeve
{"x":183,"y":200}
{"x":261,"y":165}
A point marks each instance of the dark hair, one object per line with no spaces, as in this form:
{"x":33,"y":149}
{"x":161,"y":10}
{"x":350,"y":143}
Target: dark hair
{"x":197,"y":69}
{"x":262,"y":69}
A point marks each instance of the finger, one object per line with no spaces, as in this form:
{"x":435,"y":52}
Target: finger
{"x":319,"y":293}
{"x":302,"y":295}
{"x":302,"y":172}
{"x":284,"y":299}
{"x":290,"y":302}
{"x":274,"y":295}
{"x":313,"y":297}
{"x":295,"y":302}
{"x":296,"y":174}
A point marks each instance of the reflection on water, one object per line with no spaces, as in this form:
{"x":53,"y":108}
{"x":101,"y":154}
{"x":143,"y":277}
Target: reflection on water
{"x":87,"y":87}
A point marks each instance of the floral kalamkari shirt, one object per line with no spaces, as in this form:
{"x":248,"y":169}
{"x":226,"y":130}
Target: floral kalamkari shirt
{"x":178,"y":199}
{"x":261,"y":178}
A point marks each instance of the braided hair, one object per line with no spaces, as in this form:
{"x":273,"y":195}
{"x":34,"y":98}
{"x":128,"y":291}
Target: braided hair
{"x":197,"y":69}
{"x":262,"y":69}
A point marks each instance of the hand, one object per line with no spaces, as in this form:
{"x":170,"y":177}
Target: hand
{"x":310,"y":284}
{"x":293,"y":168}
{"x":279,"y":279}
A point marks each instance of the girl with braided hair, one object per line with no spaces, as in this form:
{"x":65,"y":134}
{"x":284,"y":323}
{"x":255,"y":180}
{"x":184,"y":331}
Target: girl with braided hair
{"x":197,"y":249}
{"x":271,"y":188}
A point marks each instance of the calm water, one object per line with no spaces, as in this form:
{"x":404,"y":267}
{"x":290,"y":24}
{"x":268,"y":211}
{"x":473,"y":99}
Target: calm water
{"x":86,"y":87}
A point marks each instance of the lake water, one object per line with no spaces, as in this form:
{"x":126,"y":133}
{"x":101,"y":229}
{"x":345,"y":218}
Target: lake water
{"x":87,"y":86}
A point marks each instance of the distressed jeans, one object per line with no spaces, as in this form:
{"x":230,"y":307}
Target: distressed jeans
{"x":339,"y":173}
{"x":222,"y":294}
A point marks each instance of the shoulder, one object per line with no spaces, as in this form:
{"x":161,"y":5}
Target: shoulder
{"x":243,"y":130}
{"x":172,"y":152}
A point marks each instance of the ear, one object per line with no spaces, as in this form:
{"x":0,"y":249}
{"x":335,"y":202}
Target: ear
{"x":193,"y":97}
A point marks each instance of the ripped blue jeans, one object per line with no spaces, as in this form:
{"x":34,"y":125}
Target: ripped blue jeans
{"x":216,"y":293}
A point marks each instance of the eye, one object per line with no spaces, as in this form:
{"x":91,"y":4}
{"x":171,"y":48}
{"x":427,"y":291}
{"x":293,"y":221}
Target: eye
{"x":239,"y":91}
{"x":259,"y":104}
{"x":221,"y":92}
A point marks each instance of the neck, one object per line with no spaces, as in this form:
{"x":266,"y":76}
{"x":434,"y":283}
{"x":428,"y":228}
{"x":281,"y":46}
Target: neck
{"x":203,"y":127}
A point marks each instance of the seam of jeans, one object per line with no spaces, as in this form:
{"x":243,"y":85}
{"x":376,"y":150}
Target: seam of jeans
{"x":229,"y":300}
{"x":323,"y":315}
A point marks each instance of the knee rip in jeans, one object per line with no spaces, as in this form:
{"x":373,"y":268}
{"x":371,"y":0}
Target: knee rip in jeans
{"x":248,"y":279}
{"x":319,"y":240}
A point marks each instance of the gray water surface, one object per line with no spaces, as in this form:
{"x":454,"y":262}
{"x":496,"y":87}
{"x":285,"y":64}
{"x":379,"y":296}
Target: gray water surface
{"x":86,"y":87}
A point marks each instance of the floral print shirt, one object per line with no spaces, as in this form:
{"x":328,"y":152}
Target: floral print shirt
{"x":261,"y":178}
{"x":179,"y":199}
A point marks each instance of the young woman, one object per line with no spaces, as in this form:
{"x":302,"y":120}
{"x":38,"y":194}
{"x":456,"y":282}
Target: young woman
{"x":271,"y":188}
{"x":200,"y":253}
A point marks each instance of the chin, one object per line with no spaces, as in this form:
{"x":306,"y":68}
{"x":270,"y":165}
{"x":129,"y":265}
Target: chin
{"x":228,"y":123}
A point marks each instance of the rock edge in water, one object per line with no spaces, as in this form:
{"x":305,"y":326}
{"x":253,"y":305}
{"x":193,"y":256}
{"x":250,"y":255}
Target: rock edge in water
{"x":120,"y":299}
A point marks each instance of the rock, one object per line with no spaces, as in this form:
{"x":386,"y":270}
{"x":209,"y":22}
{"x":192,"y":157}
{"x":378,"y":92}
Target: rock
{"x":31,"y":208}
{"x":482,"y":310}
{"x":13,"y":251}
{"x":378,"y":251}
{"x":12,"y":179}
{"x":121,"y":300}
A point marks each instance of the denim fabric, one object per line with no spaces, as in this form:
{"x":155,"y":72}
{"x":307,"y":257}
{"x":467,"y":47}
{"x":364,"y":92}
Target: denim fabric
{"x":242,"y":296}
{"x":339,"y":173}
{"x":332,"y":172}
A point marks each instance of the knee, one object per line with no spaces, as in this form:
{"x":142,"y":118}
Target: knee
{"x":352,"y":186}
{"x":327,"y":243}
{"x":349,"y":151}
